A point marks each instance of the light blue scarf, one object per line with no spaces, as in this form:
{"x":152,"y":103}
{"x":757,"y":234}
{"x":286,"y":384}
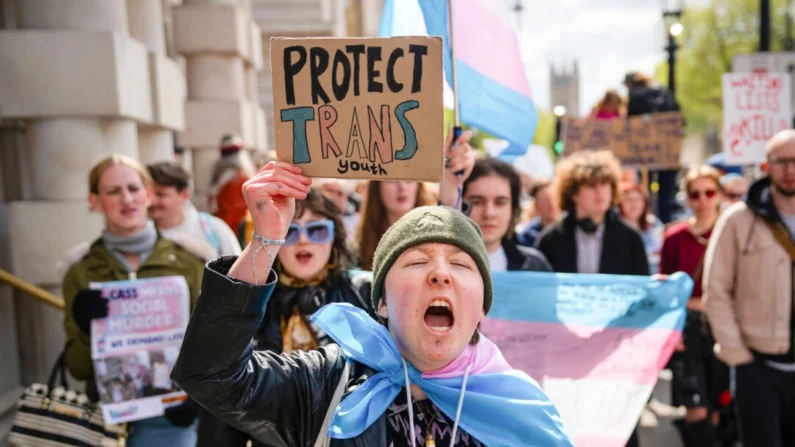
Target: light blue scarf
{"x":498,"y":409}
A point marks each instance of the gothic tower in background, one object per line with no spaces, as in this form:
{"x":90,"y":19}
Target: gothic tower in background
{"x":564,"y":88}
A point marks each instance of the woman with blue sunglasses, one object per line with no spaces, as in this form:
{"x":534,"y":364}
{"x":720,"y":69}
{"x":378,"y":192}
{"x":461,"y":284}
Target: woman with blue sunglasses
{"x":313,"y":267}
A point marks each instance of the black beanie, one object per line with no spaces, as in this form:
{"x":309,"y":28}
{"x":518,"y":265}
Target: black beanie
{"x":438,"y":224}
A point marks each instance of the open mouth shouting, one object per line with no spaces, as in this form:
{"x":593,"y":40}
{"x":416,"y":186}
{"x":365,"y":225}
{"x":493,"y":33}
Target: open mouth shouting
{"x":439,"y":316}
{"x":304,"y":256}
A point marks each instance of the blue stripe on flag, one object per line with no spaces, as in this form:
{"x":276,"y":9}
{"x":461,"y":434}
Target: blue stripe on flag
{"x":494,"y":108}
{"x":600,"y":301}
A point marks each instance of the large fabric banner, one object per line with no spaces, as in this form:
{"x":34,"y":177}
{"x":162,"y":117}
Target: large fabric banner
{"x":595,"y":343}
{"x":136,"y":346}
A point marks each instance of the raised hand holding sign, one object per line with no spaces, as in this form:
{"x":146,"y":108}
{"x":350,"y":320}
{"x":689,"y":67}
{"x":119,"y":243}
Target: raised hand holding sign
{"x":270,"y":196}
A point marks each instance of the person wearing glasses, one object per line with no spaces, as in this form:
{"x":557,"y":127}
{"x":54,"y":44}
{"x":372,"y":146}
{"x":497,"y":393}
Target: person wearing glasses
{"x":749,"y":298}
{"x":683,"y":251}
{"x":313,"y":268}
{"x":734,"y":188}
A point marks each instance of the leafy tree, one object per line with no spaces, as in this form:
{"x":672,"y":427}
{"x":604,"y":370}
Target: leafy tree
{"x":545,"y":131}
{"x":712,"y":36}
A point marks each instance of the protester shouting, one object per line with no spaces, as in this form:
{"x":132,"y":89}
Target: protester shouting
{"x":121,"y":189}
{"x":748,"y":296}
{"x":703,"y":376}
{"x":425,"y":373}
{"x":634,"y":208}
{"x":313,"y":267}
{"x":313,"y":270}
{"x":386,"y":202}
{"x":204,"y":235}
{"x":492,"y":192}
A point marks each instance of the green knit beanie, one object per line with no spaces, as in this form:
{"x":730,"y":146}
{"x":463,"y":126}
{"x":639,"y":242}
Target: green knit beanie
{"x":431,"y":224}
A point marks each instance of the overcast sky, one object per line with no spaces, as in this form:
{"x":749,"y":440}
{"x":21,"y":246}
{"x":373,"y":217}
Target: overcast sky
{"x":607,"y":38}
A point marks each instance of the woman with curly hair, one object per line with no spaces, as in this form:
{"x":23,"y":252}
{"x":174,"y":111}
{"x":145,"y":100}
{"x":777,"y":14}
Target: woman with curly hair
{"x":587,"y":185}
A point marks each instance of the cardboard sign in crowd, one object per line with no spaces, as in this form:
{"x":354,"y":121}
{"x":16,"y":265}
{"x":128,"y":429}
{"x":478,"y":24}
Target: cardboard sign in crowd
{"x":653,"y":140}
{"x":756,"y":106}
{"x":136,"y":345}
{"x":360,"y":108}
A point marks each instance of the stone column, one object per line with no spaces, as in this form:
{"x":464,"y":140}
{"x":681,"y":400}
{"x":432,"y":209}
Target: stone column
{"x":156,"y":140}
{"x":81,"y":41}
{"x":84,"y":87}
{"x":221,"y":45}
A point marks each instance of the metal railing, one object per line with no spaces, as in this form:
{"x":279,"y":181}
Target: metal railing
{"x":32,"y":290}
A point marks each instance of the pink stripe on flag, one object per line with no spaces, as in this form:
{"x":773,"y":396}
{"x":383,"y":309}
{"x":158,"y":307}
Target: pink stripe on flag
{"x":554,"y":350}
{"x":488,"y":45}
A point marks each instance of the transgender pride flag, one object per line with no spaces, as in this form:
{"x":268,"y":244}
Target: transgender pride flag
{"x":493,"y":92}
{"x":595,"y":343}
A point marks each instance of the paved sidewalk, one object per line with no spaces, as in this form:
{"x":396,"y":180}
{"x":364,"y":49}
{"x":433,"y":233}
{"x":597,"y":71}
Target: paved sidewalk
{"x":656,"y":422}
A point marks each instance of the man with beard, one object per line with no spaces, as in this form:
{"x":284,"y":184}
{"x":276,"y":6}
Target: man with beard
{"x":749,"y":297}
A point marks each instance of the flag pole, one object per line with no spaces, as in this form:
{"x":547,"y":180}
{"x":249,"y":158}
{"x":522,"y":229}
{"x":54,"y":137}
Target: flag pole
{"x":456,"y":118}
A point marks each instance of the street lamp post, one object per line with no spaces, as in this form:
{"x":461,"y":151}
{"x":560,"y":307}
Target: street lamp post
{"x":666,"y":179}
{"x":764,"y":25}
{"x":674,"y":28}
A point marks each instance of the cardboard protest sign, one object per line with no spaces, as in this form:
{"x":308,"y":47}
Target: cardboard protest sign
{"x":136,"y":346}
{"x":595,"y":343}
{"x":653,"y":140}
{"x":756,"y":106}
{"x":360,"y":108}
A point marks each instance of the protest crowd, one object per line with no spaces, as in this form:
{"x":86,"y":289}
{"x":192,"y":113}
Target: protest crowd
{"x":348,"y":311}
{"x":593,"y":217}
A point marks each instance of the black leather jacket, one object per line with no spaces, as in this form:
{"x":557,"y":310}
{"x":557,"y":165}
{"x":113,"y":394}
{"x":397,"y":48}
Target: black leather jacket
{"x":278,"y":400}
{"x":341,"y":288}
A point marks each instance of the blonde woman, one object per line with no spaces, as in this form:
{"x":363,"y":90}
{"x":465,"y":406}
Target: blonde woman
{"x":129,"y":247}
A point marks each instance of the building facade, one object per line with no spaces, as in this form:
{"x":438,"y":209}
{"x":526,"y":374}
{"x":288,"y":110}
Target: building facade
{"x":83,"y":79}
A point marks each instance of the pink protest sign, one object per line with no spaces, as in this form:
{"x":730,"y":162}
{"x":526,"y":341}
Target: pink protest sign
{"x":136,"y":346}
{"x":756,"y":106}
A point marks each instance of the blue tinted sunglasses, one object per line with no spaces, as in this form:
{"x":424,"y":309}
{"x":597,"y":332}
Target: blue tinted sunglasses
{"x":318,"y":232}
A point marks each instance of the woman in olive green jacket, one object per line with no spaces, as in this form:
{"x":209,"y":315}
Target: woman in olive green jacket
{"x":129,"y":248}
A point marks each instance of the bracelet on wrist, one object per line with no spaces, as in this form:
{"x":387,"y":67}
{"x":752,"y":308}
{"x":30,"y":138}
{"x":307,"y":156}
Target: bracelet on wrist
{"x":264,"y":241}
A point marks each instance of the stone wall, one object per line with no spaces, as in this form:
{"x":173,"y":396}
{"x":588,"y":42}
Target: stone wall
{"x":79,"y":80}
{"x":222,"y":47}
